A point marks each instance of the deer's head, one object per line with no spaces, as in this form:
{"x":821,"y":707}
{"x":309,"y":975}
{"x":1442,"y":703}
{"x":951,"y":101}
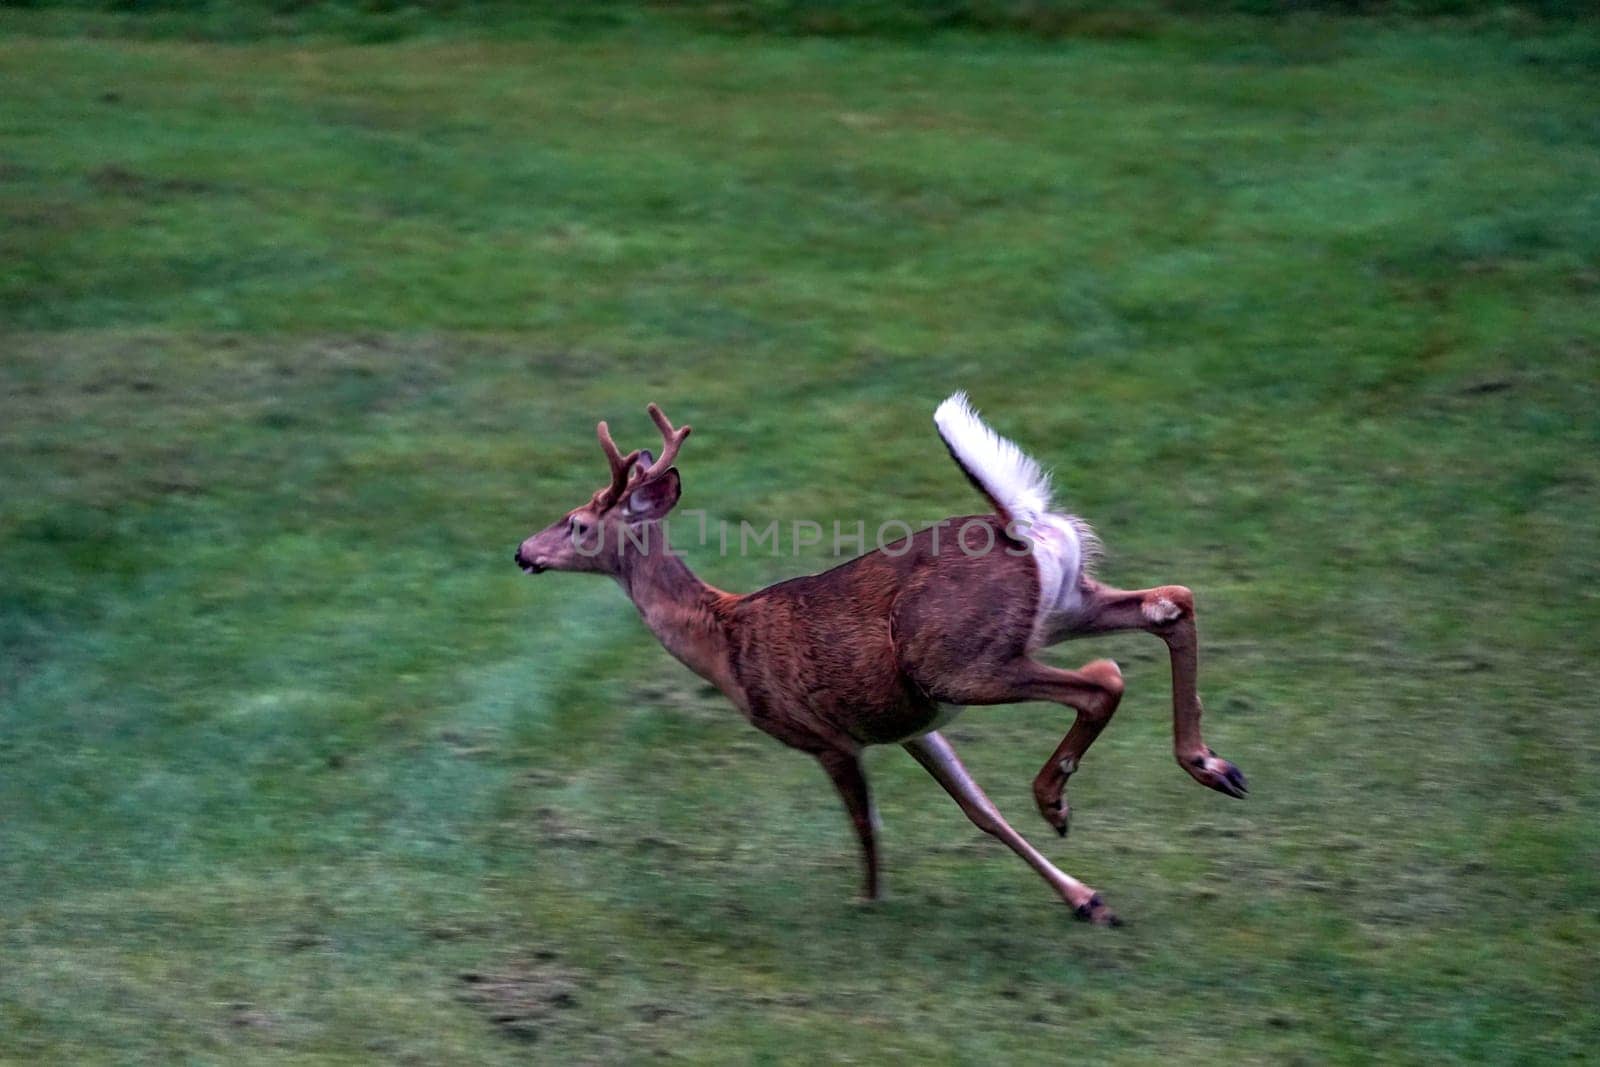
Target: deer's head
{"x":597,"y":536}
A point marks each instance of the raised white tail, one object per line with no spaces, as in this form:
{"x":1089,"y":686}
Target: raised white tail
{"x":1013,"y":481}
{"x":1064,"y":547}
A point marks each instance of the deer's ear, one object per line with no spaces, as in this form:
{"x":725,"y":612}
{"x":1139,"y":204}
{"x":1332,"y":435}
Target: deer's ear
{"x":653,"y":499}
{"x":646,"y":457}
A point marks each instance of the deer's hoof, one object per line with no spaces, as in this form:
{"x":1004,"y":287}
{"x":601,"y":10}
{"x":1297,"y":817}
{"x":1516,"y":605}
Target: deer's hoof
{"x":1050,"y":795}
{"x":1095,"y":912}
{"x":1057,"y":812}
{"x":1214,"y":772}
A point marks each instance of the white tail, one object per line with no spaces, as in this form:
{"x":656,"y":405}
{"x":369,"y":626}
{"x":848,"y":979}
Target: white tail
{"x":1013,"y":481}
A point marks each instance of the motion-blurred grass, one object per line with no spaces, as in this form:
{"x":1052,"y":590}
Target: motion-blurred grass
{"x":302,"y":336}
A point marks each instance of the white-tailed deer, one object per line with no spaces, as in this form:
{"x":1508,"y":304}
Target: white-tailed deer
{"x":885,"y":648}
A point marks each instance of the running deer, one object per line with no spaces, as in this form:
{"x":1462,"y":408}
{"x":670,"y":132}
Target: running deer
{"x":888,"y":647}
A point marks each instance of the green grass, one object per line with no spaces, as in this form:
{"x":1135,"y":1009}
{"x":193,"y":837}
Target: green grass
{"x":301,"y":337}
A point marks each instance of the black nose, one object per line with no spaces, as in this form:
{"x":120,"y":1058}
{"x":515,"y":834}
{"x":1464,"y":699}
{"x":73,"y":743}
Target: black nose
{"x":516,"y":557}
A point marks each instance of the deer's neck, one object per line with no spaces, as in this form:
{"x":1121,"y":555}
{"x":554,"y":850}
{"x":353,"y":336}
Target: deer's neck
{"x":679,"y":608}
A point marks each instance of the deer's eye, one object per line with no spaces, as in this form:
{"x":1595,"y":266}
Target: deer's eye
{"x":579,"y":527}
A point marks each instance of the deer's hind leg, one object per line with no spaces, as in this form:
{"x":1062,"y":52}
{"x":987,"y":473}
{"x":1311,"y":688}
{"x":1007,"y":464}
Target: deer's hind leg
{"x":1168,"y":612}
{"x":935,"y":754}
{"x":1095,"y":709}
{"x":975,"y":651}
{"x":1093,"y":691}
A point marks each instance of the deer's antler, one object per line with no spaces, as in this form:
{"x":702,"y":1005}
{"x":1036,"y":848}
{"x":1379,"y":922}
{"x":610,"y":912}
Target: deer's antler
{"x":620,"y":467}
{"x":625,"y":473}
{"x":671,"y":441}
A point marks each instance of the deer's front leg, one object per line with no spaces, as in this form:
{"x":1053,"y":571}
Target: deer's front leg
{"x":845,"y":770}
{"x":1168,"y":612}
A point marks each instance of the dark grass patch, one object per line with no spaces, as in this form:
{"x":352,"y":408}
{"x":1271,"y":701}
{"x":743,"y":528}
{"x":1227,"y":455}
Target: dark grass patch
{"x":119,"y":180}
{"x":523,"y":999}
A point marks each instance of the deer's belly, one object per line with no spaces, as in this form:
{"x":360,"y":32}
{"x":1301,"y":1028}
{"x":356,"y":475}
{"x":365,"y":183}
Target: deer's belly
{"x":894,"y":725}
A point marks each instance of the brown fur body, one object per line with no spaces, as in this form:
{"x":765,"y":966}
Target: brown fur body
{"x":867,"y":652}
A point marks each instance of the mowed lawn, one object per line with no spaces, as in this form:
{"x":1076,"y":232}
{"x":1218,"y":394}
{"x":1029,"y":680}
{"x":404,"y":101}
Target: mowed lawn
{"x":301,"y":338}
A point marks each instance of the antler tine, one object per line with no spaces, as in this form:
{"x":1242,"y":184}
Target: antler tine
{"x":620,"y":464}
{"x":671,"y":441}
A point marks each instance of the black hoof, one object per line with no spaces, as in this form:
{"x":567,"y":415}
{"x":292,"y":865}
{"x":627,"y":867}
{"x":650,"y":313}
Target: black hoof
{"x":1094,"y":911}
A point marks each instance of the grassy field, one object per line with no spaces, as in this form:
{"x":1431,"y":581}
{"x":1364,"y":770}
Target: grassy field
{"x":301,"y":337}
